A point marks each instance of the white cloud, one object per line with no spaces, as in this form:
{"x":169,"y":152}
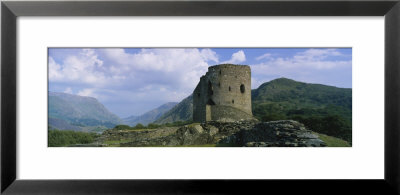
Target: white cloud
{"x":237,"y":57}
{"x":115,"y":67}
{"x":146,"y":75}
{"x":311,"y":59}
{"x":84,"y":67}
{"x":68,"y":90}
{"x":303,"y":66}
{"x":318,"y":53}
{"x":54,"y":70}
{"x":267,"y":55}
{"x":183,"y":67}
{"x":209,"y":55}
{"x":87,"y":92}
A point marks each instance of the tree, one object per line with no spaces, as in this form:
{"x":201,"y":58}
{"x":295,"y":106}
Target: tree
{"x":122,"y":127}
{"x":273,"y":117}
{"x":139,"y":126}
{"x":152,"y":126}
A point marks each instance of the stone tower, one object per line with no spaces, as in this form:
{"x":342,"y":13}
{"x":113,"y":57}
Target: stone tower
{"x":223,"y":94}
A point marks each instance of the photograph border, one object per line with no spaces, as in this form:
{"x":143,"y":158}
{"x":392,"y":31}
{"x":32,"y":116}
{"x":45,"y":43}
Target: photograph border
{"x":10,"y":10}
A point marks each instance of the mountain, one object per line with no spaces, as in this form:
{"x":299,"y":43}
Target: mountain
{"x":62,"y":125}
{"x":180,"y":112}
{"x":288,"y":97}
{"x":324,"y":109}
{"x":149,"y":116}
{"x":73,"y":112}
{"x":300,"y":94}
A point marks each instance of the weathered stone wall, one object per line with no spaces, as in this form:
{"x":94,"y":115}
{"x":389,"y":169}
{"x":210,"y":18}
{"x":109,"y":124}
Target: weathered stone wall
{"x":248,"y":133}
{"x":228,"y":114}
{"x":225,"y":85}
{"x":199,"y":104}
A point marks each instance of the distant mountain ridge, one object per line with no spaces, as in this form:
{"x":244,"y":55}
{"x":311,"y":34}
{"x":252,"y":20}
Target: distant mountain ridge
{"x":180,"y":112}
{"x":74,"y":112}
{"x":149,"y":116}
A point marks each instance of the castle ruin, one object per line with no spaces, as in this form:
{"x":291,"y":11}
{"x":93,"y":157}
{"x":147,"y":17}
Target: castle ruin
{"x":223,"y":94}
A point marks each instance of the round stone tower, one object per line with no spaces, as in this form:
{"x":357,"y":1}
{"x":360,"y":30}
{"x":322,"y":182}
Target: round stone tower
{"x":223,"y":93}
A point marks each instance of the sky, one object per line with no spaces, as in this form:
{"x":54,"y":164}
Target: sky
{"x":132,"y":81}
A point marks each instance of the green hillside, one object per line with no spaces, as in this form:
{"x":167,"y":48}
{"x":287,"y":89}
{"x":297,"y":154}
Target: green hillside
{"x":301,"y":95}
{"x":324,"y":109}
{"x":180,"y":112}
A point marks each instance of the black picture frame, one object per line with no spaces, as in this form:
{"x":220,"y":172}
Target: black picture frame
{"x":10,"y":10}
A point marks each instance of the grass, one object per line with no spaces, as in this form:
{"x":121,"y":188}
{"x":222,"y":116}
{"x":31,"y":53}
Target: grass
{"x":193,"y":124}
{"x":57,"y":138}
{"x":333,"y":141}
{"x":115,"y":143}
{"x":227,"y":145}
{"x":202,"y":145}
{"x":137,"y":130}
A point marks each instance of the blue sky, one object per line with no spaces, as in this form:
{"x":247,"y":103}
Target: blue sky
{"x":132,"y":81}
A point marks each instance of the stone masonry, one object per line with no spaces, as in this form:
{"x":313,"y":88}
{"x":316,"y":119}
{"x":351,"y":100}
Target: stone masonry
{"x":223,"y":94}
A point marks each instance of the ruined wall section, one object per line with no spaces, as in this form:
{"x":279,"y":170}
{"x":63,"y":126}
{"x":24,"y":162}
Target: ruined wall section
{"x":199,"y":101}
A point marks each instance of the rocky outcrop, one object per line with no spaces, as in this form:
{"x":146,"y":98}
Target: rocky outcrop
{"x":247,"y":133}
{"x":285,"y":133}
